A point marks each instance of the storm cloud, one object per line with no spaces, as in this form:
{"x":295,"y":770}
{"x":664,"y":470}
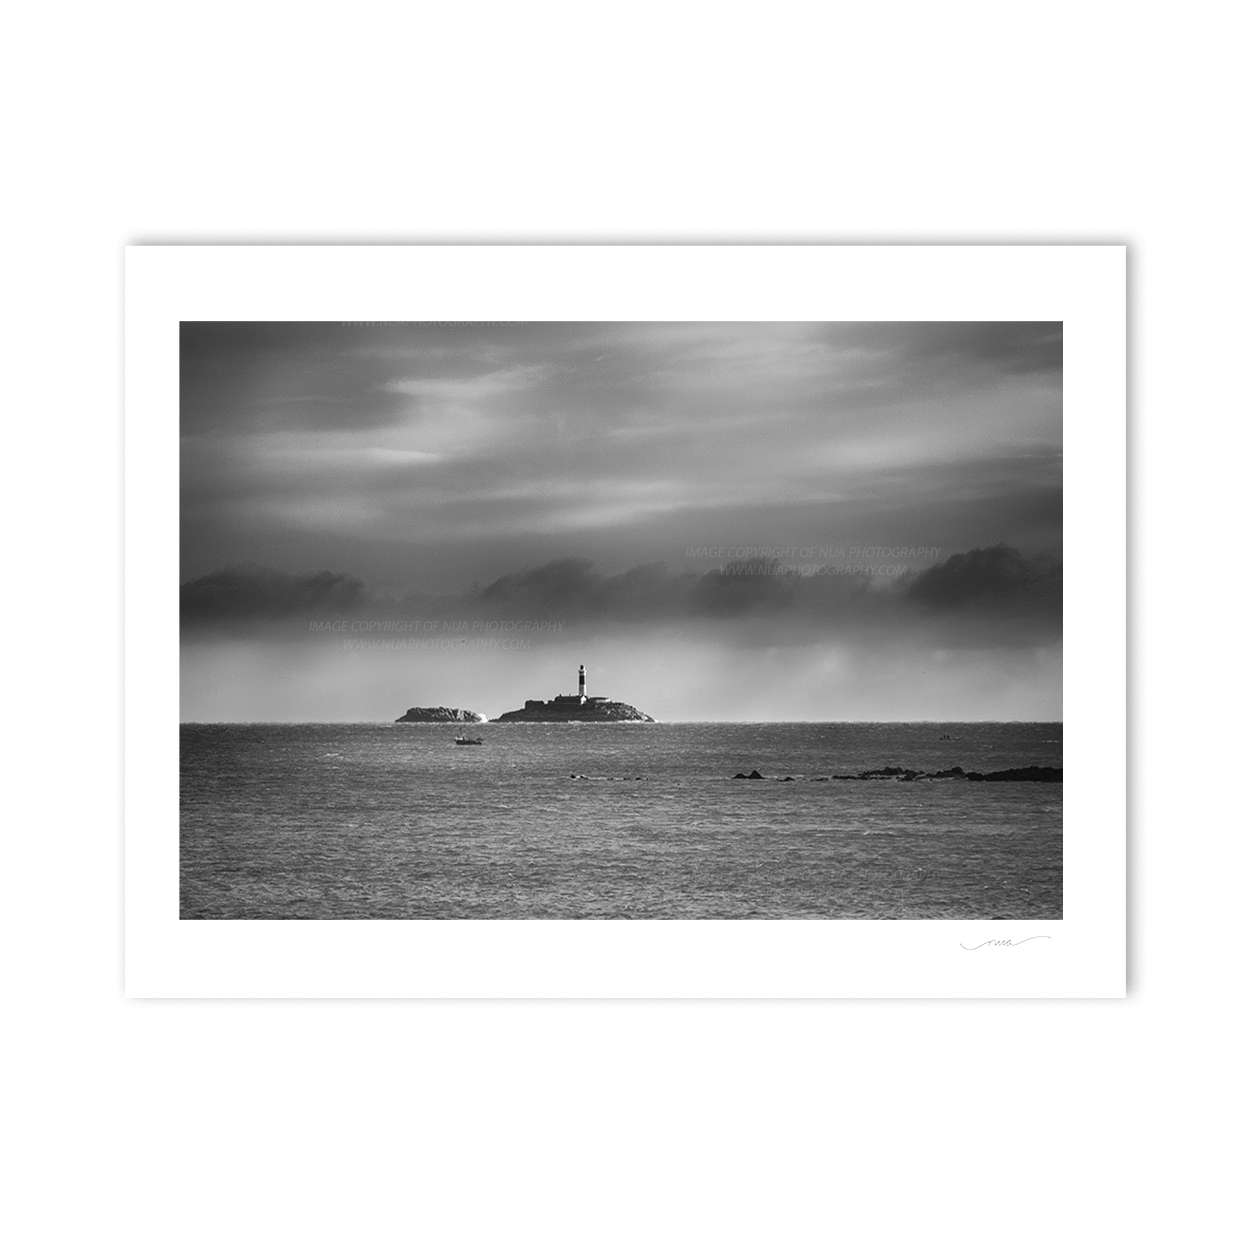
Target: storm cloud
{"x":993,"y":580}
{"x":974,"y":589}
{"x":251,"y":592}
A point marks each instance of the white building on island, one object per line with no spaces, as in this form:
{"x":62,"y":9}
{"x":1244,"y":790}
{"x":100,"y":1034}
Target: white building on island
{"x":580,"y":697}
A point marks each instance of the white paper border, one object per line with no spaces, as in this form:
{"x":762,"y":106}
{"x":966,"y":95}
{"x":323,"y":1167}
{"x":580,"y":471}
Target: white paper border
{"x":1082,"y":956}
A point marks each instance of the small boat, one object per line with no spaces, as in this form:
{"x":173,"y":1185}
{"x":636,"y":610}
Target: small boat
{"x":468,"y":742}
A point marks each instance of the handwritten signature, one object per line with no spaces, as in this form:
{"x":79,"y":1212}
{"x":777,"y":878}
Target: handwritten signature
{"x":1005,"y":942}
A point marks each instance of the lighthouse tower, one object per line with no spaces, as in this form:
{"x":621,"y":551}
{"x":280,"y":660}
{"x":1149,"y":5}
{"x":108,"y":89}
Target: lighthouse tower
{"x":581,"y":682}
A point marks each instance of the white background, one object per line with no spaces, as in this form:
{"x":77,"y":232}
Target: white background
{"x":385,"y":1124}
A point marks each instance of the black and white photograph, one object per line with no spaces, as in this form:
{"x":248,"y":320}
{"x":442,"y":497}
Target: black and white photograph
{"x":642,"y":620}
{"x":625,"y":626}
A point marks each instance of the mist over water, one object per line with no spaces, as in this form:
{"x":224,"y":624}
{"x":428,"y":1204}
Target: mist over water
{"x":672,"y":675}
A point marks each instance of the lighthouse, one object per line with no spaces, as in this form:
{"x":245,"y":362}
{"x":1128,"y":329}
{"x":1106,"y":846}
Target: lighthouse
{"x":581,"y":682}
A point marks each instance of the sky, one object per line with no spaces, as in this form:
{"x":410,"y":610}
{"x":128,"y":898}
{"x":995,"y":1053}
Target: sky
{"x":775,"y":521}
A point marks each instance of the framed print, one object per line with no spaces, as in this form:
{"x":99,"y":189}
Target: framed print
{"x":625,"y":621}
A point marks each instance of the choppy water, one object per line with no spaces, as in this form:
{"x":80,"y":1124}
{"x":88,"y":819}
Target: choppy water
{"x":395,"y":821}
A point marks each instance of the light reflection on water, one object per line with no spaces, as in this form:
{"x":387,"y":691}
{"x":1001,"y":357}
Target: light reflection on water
{"x":395,"y":821}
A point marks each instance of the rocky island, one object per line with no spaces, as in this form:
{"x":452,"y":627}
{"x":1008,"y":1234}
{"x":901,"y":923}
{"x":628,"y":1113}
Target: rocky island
{"x":575,"y":707}
{"x":437,"y":715}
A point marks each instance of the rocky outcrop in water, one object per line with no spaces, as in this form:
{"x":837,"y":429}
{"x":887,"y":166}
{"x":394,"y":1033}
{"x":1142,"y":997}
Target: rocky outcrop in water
{"x":893,"y":773}
{"x":1032,"y":773}
{"x":437,"y":715}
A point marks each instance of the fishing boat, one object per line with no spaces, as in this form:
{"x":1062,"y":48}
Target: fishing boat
{"x":468,"y":742}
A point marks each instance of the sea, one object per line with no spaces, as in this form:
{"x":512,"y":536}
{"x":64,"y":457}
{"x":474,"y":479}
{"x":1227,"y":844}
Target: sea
{"x":616,"y":821}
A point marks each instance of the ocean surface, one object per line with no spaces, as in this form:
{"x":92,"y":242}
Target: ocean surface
{"x":364,"y":821}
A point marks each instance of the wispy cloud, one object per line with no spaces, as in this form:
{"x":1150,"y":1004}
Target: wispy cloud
{"x":461,"y":445}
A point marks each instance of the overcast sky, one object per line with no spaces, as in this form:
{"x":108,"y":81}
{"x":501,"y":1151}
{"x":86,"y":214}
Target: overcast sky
{"x":417,"y":460}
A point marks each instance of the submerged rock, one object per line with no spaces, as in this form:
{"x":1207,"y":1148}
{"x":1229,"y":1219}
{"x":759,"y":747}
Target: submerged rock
{"x":892,"y":772}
